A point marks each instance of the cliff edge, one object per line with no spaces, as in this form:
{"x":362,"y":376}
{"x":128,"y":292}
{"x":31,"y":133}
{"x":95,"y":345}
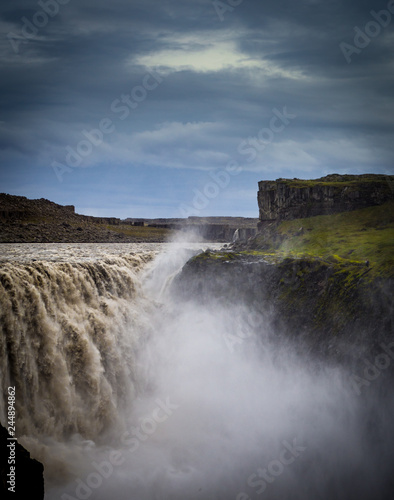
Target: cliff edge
{"x":287,"y":199}
{"x":327,"y":276}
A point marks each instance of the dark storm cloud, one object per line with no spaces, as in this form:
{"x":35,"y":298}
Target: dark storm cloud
{"x":221,"y":81}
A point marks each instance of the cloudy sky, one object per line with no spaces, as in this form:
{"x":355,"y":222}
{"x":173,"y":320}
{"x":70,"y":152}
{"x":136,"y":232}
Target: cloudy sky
{"x":148,"y":108}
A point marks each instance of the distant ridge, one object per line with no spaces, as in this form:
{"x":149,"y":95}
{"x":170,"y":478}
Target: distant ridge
{"x":42,"y":221}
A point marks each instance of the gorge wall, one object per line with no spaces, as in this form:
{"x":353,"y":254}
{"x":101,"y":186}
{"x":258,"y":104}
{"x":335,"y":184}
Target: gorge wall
{"x":92,"y":347}
{"x":323,"y":303}
{"x":286,"y":199}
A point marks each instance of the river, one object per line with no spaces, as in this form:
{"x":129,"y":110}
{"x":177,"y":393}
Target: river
{"x":126,"y":390}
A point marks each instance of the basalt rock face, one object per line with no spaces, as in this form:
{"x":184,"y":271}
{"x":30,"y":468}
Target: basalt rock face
{"x":29,"y":478}
{"x":215,"y":229}
{"x":221,"y":232}
{"x":320,"y":302}
{"x":286,"y":199}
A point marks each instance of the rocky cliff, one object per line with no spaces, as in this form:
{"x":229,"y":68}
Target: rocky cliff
{"x":321,"y":302}
{"x":322,"y":278}
{"x":217,"y":229}
{"x":286,"y":199}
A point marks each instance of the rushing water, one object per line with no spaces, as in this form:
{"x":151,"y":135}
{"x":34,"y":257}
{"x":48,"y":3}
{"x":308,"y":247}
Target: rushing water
{"x":72,"y":252}
{"x":125,"y":390}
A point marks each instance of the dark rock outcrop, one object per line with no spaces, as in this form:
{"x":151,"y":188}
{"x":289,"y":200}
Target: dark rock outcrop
{"x":220,"y":232}
{"x":29,"y":478}
{"x":216,"y":229}
{"x":43,"y":221}
{"x":286,"y":199}
{"x":316,"y":300}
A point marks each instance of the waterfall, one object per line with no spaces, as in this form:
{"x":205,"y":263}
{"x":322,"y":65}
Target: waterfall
{"x":125,"y":389}
{"x":69,"y":332}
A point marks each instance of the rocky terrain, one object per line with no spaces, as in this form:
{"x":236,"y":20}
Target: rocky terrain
{"x":323,"y":278}
{"x":42,"y":221}
{"x":220,"y":229}
{"x":286,"y":199}
{"x":319,"y":301}
{"x":321,"y":270}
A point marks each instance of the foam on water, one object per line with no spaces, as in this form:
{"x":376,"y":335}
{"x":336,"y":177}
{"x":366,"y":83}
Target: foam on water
{"x":127,"y":391}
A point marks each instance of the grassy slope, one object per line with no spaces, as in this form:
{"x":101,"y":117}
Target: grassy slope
{"x":321,"y":283}
{"x":347,"y":237}
{"x":352,"y":182}
{"x":148,"y":233}
{"x":347,"y":180}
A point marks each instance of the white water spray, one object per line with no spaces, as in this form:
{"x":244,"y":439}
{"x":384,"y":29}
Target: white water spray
{"x":151,"y":401}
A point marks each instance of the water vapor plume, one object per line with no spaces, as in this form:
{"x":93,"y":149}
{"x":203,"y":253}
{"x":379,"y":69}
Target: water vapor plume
{"x":215,"y":405}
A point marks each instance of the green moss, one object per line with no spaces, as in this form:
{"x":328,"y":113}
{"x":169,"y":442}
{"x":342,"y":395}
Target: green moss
{"x":348,"y":237}
{"x":138,"y":231}
{"x":215,"y":256}
{"x":330,"y":291}
{"x":353,"y":183}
